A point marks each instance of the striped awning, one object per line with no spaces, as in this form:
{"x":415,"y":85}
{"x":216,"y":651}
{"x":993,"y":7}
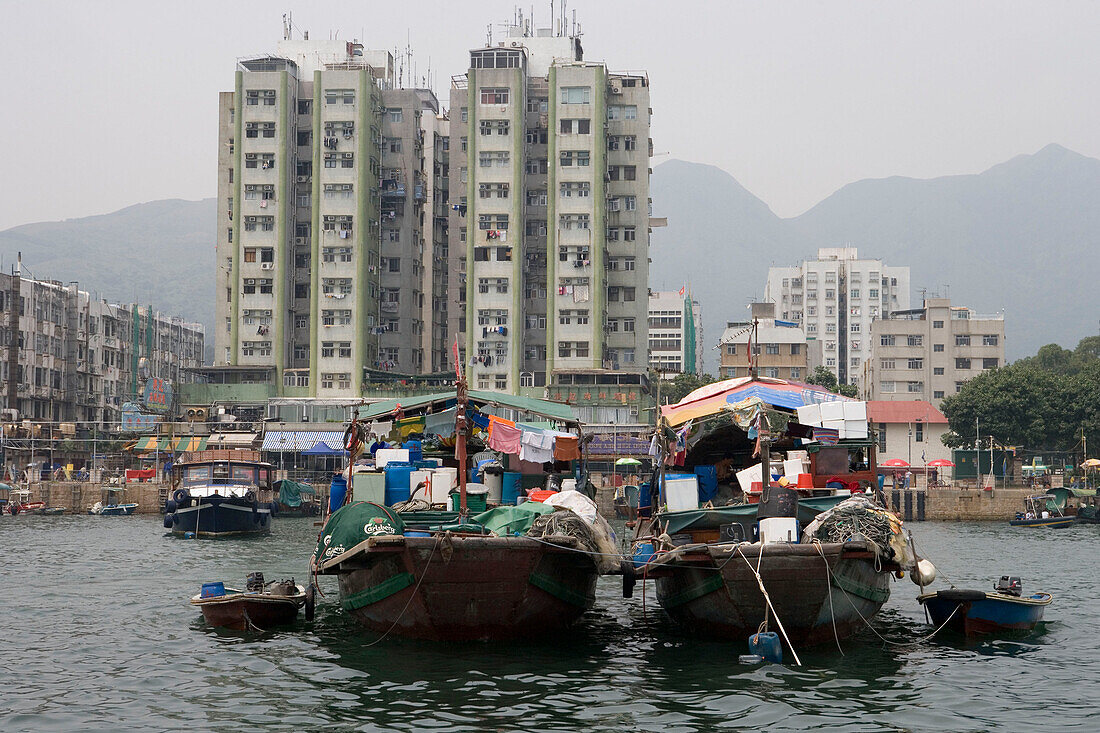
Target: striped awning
{"x":231,"y":440}
{"x":152,"y":443}
{"x":296,"y":441}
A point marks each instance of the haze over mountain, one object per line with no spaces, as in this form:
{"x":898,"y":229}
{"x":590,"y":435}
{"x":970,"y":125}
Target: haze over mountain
{"x":1020,"y":237}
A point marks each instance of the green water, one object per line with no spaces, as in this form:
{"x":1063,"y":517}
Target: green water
{"x":97,"y":635}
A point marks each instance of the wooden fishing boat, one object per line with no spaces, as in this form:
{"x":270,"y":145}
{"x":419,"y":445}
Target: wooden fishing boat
{"x":100,"y":509}
{"x":975,"y":612}
{"x":428,"y":576}
{"x":220,"y":493}
{"x":275,"y":604}
{"x":465,"y":588}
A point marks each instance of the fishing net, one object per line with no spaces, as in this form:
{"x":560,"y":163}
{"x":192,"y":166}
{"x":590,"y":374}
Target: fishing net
{"x":595,"y":538}
{"x":861,"y":519}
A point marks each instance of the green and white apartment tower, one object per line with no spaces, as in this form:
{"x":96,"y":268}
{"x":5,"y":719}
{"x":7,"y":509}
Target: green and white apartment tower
{"x":549,"y":197}
{"x":332,"y":220}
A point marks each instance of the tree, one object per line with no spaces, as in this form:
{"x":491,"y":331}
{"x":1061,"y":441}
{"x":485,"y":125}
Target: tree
{"x":822,"y":377}
{"x":682,"y":385}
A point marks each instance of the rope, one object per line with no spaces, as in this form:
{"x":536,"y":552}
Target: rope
{"x":873,"y":629}
{"x":412,"y":595}
{"x":248,"y":620}
{"x":768,"y":600}
{"x":829,"y":592}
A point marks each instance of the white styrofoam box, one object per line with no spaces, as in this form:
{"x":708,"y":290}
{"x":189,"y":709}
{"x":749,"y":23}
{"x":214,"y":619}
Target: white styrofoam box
{"x":792,"y":467}
{"x":809,"y":415}
{"x":834,"y":424}
{"x":831,"y":411}
{"x":802,"y":455}
{"x":855,"y":410}
{"x":443,"y":480}
{"x":682,"y":492}
{"x":774,"y":530}
{"x":387,"y":455}
{"x":746,"y":476}
{"x":415,"y":479}
{"x":855,"y":428}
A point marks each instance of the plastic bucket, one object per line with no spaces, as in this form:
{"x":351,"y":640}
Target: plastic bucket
{"x":510,"y":488}
{"x":768,"y":646}
{"x":643,"y":553}
{"x":494,"y":480}
{"x":540,"y":495}
{"x":212,"y":590}
{"x":805,"y":481}
{"x":337,"y":492}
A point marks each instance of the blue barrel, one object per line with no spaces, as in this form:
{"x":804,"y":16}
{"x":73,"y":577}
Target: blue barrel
{"x":645,"y":500}
{"x":397,"y":483}
{"x":418,"y":534}
{"x":511,"y":488}
{"x":212,"y":590}
{"x":708,"y":482}
{"x":643,"y":553}
{"x":337,"y":492}
{"x":416,"y":451}
{"x":768,"y":646}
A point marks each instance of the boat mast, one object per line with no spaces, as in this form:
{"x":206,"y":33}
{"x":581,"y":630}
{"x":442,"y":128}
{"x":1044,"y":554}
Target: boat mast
{"x":460,"y":441}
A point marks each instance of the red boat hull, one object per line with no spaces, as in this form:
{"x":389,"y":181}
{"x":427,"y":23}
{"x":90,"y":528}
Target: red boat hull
{"x":466,"y":588}
{"x":241,"y":612}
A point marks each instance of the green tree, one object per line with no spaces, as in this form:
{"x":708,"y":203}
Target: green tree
{"x":822,"y":377}
{"x":682,"y":385}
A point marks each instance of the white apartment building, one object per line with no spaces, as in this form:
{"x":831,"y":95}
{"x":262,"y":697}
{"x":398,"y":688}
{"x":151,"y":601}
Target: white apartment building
{"x":550,"y":203}
{"x":675,"y":334}
{"x":780,"y":349}
{"x":928,"y":353}
{"x":332,"y":225}
{"x":835,"y":298}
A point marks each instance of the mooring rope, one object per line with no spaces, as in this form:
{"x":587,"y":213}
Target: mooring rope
{"x":829,"y":593}
{"x":412,"y":595}
{"x":768,"y":600}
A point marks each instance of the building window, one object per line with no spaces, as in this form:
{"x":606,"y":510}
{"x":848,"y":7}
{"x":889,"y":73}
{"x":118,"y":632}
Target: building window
{"x":569,"y":222}
{"x":576,"y":95}
{"x":796,"y":373}
{"x":888,"y":364}
{"x":582,"y":126}
{"x":962,"y":363}
{"x":579,"y":158}
{"x":916,"y":363}
{"x":578,"y":189}
{"x":937,"y":324}
{"x":938,"y":394}
{"x":882,"y":437}
{"x":771,"y":349}
{"x":494,"y":95}
{"x":962,"y":341}
{"x":938,"y":348}
{"x":488,"y":127}
{"x":339,"y":96}
{"x":915,"y":340}
{"x":887,"y":387}
{"x":493,"y":158}
{"x":937,"y":371}
{"x":916,"y":387}
{"x":990,"y":363}
{"x":918,"y":432}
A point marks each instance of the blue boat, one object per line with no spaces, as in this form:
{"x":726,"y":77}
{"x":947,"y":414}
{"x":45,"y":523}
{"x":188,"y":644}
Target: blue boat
{"x":112,"y":510}
{"x":1042,"y":510}
{"x":228,"y":493}
{"x":974,"y":612}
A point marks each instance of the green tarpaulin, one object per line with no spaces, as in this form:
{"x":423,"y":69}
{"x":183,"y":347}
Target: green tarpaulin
{"x":508,"y":520}
{"x":351,"y":524}
{"x":290,"y":492}
{"x":808,"y":509}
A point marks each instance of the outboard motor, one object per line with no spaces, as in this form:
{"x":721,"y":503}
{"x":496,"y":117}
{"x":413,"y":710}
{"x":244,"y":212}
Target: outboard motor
{"x":255,"y":582}
{"x":1009,"y":585}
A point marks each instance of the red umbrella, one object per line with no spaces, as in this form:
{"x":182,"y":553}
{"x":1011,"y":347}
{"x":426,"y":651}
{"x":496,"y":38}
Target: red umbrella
{"x":941,"y":462}
{"x":895,"y":463}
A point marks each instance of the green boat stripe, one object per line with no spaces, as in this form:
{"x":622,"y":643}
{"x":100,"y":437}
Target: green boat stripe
{"x":376,"y":593}
{"x":711,"y":584}
{"x":559,"y":591}
{"x":877,"y":595}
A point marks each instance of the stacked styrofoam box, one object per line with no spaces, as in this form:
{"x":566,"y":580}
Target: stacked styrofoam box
{"x":849,"y":419}
{"x":855,"y":419}
{"x":387,"y":455}
{"x":809,"y":415}
{"x":832,"y":416}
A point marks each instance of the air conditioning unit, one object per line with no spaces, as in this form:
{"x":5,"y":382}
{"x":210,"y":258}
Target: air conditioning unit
{"x":196,"y":414}
{"x":267,"y":265}
{"x":299,"y":240}
{"x":303,"y":179}
{"x":616,"y":86}
{"x":349,"y":155}
{"x":634,"y":412}
{"x":250,"y":281}
{"x":267,"y":312}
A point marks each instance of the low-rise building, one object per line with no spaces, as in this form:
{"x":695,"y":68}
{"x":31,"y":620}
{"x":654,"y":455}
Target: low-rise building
{"x":780,"y":348}
{"x":911,"y":431}
{"x":928,"y":353}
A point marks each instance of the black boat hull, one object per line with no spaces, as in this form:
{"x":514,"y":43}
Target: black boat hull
{"x":220,"y":517}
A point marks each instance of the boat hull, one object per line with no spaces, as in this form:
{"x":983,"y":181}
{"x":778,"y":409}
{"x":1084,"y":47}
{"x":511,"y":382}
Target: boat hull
{"x":221,"y":517}
{"x":250,"y":611}
{"x":465,"y":588}
{"x":712,"y":591}
{"x":994,"y":613}
{"x":116,"y":510}
{"x":1055,"y":522}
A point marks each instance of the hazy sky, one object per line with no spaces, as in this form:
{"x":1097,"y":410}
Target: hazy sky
{"x":110,"y":104}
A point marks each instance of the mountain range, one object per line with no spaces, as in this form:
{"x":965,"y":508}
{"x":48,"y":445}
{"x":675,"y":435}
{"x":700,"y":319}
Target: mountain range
{"x":1017,"y":238}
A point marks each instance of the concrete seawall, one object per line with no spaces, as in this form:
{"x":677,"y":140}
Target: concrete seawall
{"x":79,"y":496}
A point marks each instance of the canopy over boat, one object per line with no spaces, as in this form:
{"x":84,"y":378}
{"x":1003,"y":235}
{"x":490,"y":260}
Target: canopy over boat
{"x":548,"y":409}
{"x":713,"y":399}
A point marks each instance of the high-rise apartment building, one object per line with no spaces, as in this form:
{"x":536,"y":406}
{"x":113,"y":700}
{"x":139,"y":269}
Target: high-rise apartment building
{"x":835,"y":298}
{"x":928,"y":353}
{"x":675,"y":334}
{"x":549,"y":196}
{"x":332,"y":226}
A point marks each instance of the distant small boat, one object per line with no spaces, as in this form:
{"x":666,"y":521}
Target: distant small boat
{"x":973,"y":612}
{"x":112,"y":510}
{"x":1038,"y":512}
{"x":260,"y":607}
{"x":52,"y":511}
{"x":19,"y":502}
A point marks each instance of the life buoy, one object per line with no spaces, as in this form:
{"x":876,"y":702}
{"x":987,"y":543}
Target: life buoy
{"x":250,"y":497}
{"x":353,"y":438}
{"x":181,"y":496}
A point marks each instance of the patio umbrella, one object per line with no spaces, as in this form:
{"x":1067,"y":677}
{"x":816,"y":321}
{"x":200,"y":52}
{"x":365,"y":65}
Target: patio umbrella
{"x":636,"y":462}
{"x":940,"y":462}
{"x":1091,"y":463}
{"x":895,"y":463}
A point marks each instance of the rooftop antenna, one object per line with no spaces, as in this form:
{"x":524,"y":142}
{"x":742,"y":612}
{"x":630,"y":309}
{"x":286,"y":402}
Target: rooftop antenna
{"x":574,"y":22}
{"x":488,"y":35}
{"x":287,"y":26}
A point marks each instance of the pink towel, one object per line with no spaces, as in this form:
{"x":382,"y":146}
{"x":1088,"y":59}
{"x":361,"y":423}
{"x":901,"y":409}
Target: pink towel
{"x":505,"y":438}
